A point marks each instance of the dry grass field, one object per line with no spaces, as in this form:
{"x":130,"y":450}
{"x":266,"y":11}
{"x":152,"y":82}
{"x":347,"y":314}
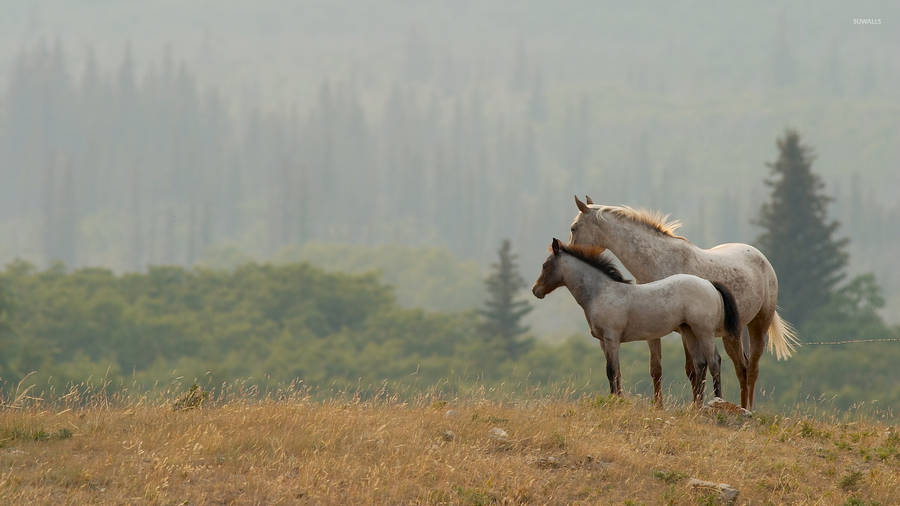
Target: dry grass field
{"x":300,"y":451}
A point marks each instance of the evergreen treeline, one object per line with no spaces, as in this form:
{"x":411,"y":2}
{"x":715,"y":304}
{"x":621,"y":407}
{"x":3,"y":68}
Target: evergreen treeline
{"x":129,"y":168}
{"x":158,"y":170}
{"x":271,"y":325}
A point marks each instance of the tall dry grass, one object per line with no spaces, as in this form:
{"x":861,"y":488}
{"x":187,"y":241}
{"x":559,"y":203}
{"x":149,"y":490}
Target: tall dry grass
{"x":289,"y":446}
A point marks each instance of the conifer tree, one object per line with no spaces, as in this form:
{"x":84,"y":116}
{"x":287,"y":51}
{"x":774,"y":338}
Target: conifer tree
{"x":502,"y":311}
{"x":797,"y":236}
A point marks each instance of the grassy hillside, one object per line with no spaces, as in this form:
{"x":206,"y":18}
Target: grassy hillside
{"x":295,"y":450}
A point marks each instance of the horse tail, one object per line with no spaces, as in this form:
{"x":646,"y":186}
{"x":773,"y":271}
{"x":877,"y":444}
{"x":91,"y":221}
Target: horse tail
{"x":732,"y":319}
{"x":782,"y":337}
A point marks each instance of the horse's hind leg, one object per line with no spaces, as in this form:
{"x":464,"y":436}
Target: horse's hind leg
{"x":656,"y":370}
{"x":735,"y":351}
{"x":758,"y":327}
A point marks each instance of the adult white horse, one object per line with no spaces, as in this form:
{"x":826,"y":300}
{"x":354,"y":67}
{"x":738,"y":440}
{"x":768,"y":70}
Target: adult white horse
{"x":646,"y":244}
{"x":618,"y":311}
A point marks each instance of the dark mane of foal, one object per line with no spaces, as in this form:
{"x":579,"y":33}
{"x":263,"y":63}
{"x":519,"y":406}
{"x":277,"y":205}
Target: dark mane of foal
{"x":589,"y":256}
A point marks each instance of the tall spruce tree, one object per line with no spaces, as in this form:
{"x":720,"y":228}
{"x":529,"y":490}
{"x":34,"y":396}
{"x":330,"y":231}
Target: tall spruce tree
{"x":502,"y":311}
{"x":797,"y":236}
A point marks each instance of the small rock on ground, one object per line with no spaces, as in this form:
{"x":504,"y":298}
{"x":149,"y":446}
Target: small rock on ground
{"x":727,"y":492}
{"x":498,"y":433}
{"x":448,"y":435}
{"x":719,"y":404}
{"x":549,"y":462}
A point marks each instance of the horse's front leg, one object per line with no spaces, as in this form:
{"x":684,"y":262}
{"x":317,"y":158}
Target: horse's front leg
{"x":656,"y":370}
{"x":613,"y":374}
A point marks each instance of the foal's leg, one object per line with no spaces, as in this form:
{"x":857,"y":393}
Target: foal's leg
{"x":717,"y":375}
{"x":691,"y":355}
{"x":692,"y":343}
{"x":611,"y":350}
{"x":708,"y":346}
{"x":656,"y":370}
{"x":686,"y":336}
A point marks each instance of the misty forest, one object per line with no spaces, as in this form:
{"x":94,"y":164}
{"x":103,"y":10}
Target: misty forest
{"x":348,"y":194}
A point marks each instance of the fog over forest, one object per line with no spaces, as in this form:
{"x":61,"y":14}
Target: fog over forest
{"x":136,"y":134}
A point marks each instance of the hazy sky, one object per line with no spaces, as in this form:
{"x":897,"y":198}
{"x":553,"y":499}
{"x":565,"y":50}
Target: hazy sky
{"x":682,"y":96}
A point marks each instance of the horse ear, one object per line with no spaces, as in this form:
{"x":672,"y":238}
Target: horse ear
{"x":581,"y":205}
{"x":555,"y":246}
{"x":588,"y":200}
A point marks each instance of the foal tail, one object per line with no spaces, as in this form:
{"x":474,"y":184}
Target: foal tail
{"x":732,"y":319}
{"x":782,"y":337}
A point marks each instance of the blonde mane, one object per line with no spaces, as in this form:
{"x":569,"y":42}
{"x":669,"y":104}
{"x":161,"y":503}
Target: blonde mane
{"x":653,"y":219}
